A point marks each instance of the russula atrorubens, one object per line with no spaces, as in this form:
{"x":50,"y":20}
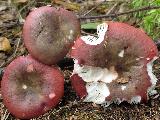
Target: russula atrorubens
{"x":30,"y":88}
{"x":116,"y":66}
{"x":49,"y":33}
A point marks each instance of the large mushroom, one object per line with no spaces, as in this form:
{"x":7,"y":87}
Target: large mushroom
{"x":116,"y":66}
{"x":49,"y":33}
{"x":30,"y":88}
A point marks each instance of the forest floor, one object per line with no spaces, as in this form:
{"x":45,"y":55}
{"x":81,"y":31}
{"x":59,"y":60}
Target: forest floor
{"x":71,"y":107}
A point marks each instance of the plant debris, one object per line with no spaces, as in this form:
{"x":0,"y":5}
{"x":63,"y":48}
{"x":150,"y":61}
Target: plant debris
{"x":71,"y":107}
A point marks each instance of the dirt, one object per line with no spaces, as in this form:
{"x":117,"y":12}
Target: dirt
{"x":70,"y":107}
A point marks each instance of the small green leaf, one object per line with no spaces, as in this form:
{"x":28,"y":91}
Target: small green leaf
{"x":90,"y":25}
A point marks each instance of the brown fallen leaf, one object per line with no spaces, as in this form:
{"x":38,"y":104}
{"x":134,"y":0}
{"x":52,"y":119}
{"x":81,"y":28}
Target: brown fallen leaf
{"x":5,"y":44}
{"x":67,"y":5}
{"x":20,"y":1}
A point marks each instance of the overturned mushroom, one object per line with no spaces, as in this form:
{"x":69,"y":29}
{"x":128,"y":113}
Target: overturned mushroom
{"x":116,"y":66}
{"x":30,"y":88}
{"x":49,"y":33}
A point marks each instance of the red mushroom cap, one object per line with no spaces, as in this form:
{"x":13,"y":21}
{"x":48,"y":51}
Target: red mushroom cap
{"x":30,"y":88}
{"x":49,"y":33}
{"x":126,"y":49}
{"x":78,"y":85}
{"x":119,"y":36}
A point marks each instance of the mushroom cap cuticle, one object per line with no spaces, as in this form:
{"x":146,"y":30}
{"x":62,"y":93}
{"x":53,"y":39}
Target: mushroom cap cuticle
{"x":49,"y":33}
{"x":30,"y":88}
{"x":129,"y":51}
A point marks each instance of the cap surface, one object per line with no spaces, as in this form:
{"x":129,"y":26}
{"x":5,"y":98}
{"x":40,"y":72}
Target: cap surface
{"x":126,"y":50}
{"x":30,"y":88}
{"x":49,"y":33}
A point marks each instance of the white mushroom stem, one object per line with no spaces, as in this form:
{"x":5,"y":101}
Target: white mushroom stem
{"x":95,"y":74}
{"x":96,"y":79}
{"x":97,"y":92}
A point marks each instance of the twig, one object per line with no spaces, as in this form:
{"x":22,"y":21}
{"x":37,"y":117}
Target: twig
{"x":121,"y":13}
{"x":112,"y":8}
{"x":93,"y":8}
{"x":31,"y":2}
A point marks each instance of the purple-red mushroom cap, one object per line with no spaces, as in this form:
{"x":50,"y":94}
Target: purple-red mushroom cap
{"x":116,"y":66}
{"x":30,"y":88}
{"x":49,"y":33}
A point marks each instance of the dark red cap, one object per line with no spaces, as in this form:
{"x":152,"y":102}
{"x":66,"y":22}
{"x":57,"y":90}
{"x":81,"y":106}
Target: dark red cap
{"x":49,"y":33}
{"x":126,"y":48}
{"x":30,"y":88}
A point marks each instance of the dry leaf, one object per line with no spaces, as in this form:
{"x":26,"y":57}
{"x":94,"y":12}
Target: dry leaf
{"x":20,"y":1}
{"x":68,"y":5}
{"x":4,"y":44}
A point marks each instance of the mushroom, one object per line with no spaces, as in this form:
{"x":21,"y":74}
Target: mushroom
{"x":49,"y":33}
{"x":116,"y":66}
{"x":30,"y":88}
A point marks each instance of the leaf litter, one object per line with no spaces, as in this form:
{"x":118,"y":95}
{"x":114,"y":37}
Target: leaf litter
{"x":70,"y":107}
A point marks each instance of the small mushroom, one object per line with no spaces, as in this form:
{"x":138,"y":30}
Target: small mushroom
{"x":30,"y":88}
{"x":116,"y":66}
{"x":49,"y":33}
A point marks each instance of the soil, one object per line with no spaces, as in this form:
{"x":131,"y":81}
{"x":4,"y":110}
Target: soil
{"x":70,"y":107}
